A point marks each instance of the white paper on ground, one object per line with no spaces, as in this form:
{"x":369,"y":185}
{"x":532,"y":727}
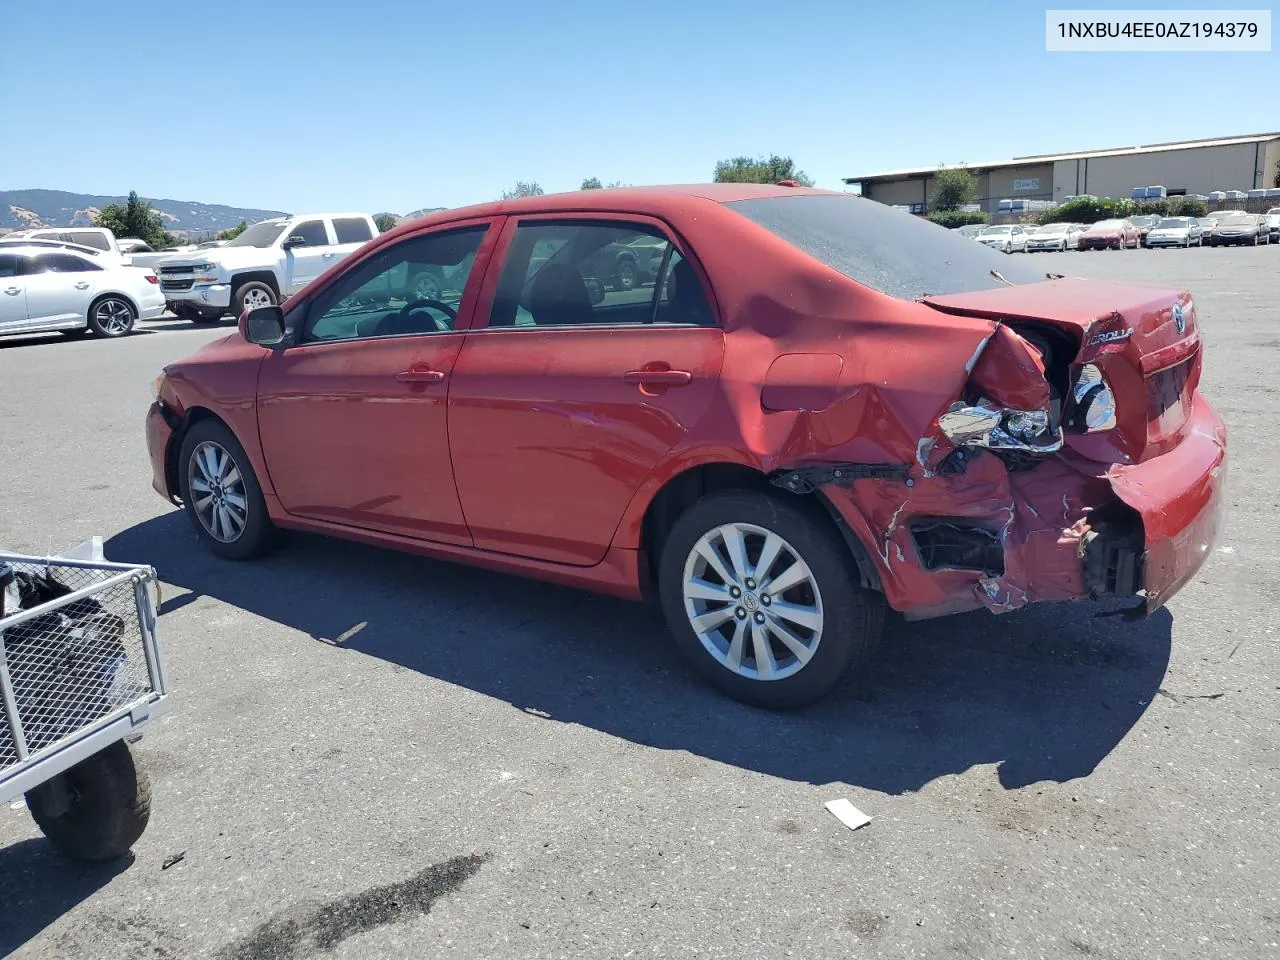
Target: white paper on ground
{"x":847,"y":813}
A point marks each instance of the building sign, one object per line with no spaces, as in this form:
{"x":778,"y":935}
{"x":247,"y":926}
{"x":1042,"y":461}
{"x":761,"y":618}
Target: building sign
{"x":1026,"y":186}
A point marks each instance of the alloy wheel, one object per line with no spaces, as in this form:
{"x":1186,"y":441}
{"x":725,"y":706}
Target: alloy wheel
{"x":753,"y":601}
{"x":114,"y":317}
{"x":255,"y":298}
{"x":218,"y":492}
{"x":427,"y":288}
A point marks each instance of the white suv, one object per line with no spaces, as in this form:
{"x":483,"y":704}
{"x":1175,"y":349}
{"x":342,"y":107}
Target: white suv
{"x":269,"y":262}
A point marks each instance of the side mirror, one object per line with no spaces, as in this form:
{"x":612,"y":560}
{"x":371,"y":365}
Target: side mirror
{"x":263,"y":326}
{"x":294,"y":241}
{"x":595,"y":290}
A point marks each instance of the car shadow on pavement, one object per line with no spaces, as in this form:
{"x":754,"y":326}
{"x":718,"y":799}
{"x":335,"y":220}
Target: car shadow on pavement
{"x":38,"y":885}
{"x":1045,"y":692}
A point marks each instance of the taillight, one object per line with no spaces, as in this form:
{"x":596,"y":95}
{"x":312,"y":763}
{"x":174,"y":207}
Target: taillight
{"x":151,"y":278}
{"x":1093,"y":403}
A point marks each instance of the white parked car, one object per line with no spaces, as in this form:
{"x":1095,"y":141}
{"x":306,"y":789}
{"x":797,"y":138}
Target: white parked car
{"x":269,"y":262}
{"x":1272,"y":217}
{"x":1175,"y":232}
{"x":1008,"y":238}
{"x":43,"y":288}
{"x":99,"y":238}
{"x":1054,"y":236}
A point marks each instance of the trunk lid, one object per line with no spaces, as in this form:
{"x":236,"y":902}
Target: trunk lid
{"x":1145,"y":340}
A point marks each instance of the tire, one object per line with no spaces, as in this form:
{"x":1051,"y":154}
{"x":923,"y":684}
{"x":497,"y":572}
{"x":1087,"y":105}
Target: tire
{"x":425,"y":286}
{"x":111,"y":316}
{"x":627,"y":277}
{"x":1008,"y":248}
{"x":243,"y":529}
{"x":250,"y":294}
{"x":109,"y":806}
{"x":850,"y":619}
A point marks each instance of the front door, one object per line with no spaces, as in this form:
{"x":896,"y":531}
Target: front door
{"x":352,"y":415}
{"x":13,"y":292}
{"x":309,"y":252}
{"x":599,"y":355}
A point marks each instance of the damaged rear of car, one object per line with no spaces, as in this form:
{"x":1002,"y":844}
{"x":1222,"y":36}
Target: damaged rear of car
{"x":993,"y":439}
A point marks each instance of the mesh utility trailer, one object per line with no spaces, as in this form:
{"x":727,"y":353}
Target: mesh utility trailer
{"x":81,"y":672}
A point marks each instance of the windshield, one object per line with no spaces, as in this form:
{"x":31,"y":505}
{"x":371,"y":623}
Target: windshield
{"x":887,"y":250}
{"x":1053,"y":228}
{"x":1173,"y":223}
{"x":259,"y":235}
{"x":1107,"y":225}
{"x":1239,"y":220}
{"x":994,"y":231}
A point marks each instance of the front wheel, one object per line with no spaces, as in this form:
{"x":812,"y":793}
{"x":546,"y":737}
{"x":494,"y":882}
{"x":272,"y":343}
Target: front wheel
{"x":106,"y":807}
{"x":251,"y":295}
{"x":626,"y":274}
{"x":221,"y":494}
{"x":111,"y":316}
{"x":764,"y":601}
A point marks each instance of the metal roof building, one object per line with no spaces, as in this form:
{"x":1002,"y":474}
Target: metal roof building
{"x":1182,"y":167}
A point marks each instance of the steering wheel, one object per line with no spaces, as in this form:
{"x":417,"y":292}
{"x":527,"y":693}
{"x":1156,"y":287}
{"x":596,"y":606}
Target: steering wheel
{"x":444,"y":308}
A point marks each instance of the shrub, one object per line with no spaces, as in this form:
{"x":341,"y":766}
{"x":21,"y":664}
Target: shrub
{"x":1188,"y":207}
{"x":958,"y":218}
{"x":1087,"y":210}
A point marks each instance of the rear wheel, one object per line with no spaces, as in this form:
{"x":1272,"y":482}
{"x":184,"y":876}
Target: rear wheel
{"x":626,"y":273}
{"x":111,"y":316}
{"x":221,"y":494}
{"x":764,"y":601}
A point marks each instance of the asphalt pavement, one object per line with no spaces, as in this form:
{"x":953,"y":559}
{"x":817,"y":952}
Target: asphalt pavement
{"x":376,"y":755}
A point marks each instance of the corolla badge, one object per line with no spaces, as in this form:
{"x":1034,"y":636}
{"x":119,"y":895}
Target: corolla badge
{"x":1111,"y":336}
{"x":1179,"y":317}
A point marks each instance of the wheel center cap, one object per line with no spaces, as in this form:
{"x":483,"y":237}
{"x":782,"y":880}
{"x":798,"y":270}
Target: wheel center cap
{"x":750,"y":602}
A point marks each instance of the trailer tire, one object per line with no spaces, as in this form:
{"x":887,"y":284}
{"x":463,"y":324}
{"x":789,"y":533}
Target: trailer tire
{"x":109,"y":804}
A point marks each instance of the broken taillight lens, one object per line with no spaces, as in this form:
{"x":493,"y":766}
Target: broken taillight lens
{"x":987,"y":424}
{"x":1093,"y":402}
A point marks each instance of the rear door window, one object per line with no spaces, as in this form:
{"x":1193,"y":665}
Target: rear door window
{"x":885,"y":249}
{"x":352,"y":229}
{"x":10,"y":265}
{"x":63,"y":263}
{"x":89,"y":238}
{"x":595,"y":272}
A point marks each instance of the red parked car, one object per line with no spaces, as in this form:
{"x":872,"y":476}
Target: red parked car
{"x":818,"y":406}
{"x":1111,"y":235}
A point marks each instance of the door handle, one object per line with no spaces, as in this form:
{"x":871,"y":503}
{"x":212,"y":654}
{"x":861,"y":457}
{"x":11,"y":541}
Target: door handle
{"x":420,"y":375}
{"x":328,"y":256}
{"x":82,"y":285}
{"x":13,"y":291}
{"x":659,"y":376}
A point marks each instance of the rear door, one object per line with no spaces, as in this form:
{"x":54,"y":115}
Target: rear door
{"x":349,"y":235}
{"x":13,"y":292}
{"x":60,"y":287}
{"x":585,"y":375}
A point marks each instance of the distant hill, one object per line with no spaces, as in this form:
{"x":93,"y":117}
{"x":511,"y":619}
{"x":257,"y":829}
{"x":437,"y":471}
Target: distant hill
{"x":20,"y":209}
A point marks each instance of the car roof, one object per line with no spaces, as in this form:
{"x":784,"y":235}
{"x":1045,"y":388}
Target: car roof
{"x":651,"y":200}
{"x":31,"y":249}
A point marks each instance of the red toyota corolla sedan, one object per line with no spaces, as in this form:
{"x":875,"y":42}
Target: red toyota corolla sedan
{"x":806,"y":406}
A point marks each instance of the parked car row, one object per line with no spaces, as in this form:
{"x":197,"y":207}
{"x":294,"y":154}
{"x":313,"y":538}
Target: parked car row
{"x":1224,"y":228}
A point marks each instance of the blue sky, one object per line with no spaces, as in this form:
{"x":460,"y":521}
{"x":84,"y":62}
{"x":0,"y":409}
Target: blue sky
{"x":381,"y":105}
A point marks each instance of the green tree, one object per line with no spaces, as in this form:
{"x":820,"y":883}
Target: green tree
{"x":233,"y":232}
{"x":953,"y":187}
{"x":522,"y":189}
{"x":134,"y":218}
{"x":591,"y":183}
{"x":385,"y":221}
{"x":1276,"y":180}
{"x":957,"y":218}
{"x":760,"y":170}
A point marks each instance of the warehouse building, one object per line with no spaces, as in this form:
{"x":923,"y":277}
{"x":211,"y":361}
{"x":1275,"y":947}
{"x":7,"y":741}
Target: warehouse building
{"x":1185,"y":167}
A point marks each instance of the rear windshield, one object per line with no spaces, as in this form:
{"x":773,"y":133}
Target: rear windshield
{"x":1239,"y":220}
{"x":888,"y":250}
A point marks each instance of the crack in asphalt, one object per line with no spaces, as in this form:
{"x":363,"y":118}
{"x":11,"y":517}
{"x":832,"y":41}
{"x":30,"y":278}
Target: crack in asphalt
{"x":304,"y":930}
